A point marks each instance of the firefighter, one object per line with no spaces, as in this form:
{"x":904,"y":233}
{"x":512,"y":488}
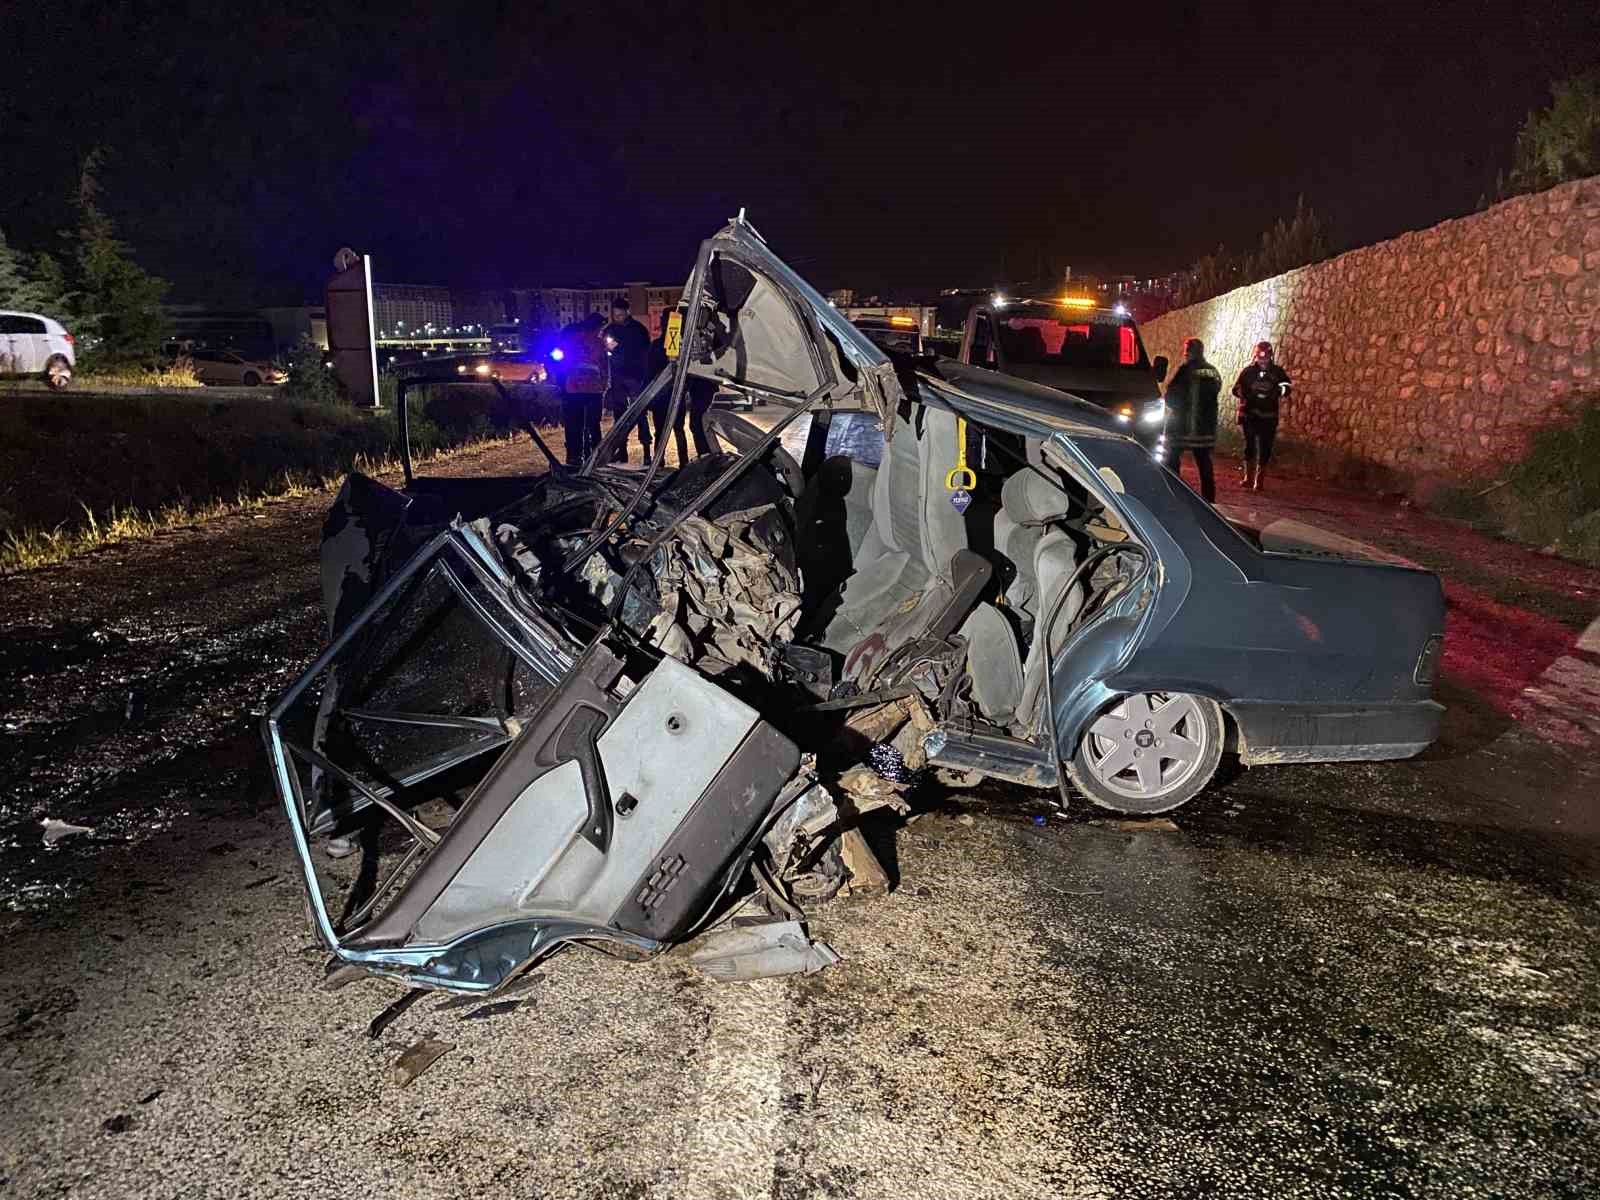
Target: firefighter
{"x":1192,"y":414}
{"x":1261,"y":388}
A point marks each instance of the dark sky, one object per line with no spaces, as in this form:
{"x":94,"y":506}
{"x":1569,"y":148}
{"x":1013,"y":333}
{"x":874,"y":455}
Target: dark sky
{"x":874,"y":145}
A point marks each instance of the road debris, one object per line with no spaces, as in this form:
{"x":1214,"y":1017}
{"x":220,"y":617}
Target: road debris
{"x":392,"y":1013}
{"x":55,"y":830}
{"x":1152,"y":825}
{"x":417,"y":1059}
{"x":485,"y":1011}
{"x":761,"y":951}
{"x":867,"y":876}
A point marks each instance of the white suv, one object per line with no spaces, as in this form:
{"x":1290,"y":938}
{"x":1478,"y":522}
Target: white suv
{"x":35,"y":345}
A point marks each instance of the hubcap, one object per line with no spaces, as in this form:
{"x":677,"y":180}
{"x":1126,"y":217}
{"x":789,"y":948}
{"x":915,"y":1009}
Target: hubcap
{"x":1148,"y":745}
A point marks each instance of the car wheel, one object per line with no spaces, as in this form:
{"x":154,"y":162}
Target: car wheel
{"x":251,"y":379}
{"x":58,"y":374}
{"x":1149,"y":753}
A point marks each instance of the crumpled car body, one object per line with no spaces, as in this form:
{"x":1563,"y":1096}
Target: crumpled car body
{"x":617,"y":705}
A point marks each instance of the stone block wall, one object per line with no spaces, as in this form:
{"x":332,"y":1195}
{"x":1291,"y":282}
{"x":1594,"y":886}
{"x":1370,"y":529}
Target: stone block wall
{"x":1438,"y":352}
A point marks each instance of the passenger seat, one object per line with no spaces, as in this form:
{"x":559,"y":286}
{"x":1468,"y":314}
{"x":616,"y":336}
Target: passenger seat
{"x":1044,"y":557}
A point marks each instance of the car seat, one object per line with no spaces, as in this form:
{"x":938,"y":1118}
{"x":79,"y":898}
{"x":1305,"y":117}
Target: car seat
{"x":907,"y":573}
{"x":1044,"y":557}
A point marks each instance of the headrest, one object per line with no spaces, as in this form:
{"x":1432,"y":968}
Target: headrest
{"x":1029,"y":496}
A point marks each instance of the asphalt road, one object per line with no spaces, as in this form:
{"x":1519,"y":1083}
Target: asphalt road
{"x":1371,"y":980}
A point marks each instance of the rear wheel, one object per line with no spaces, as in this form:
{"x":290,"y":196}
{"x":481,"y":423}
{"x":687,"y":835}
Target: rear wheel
{"x":1149,"y":753}
{"x":58,"y":373}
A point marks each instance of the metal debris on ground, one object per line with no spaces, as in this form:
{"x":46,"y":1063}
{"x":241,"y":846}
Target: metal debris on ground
{"x":389,"y":1015}
{"x":55,"y":830}
{"x":761,"y":952}
{"x":417,"y":1059}
{"x":485,"y":1011}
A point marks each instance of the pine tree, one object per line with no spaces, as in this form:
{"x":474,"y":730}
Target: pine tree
{"x":118,"y":302}
{"x":1558,"y":143}
{"x":24,"y":286}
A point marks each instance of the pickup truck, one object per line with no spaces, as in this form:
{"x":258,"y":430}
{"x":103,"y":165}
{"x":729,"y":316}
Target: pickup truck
{"x":1075,"y":346}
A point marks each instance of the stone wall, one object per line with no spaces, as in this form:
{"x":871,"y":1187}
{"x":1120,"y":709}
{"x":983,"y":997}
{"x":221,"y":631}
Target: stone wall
{"x":1438,"y":352}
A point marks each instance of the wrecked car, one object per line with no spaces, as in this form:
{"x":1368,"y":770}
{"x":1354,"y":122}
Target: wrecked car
{"x":616,"y":705}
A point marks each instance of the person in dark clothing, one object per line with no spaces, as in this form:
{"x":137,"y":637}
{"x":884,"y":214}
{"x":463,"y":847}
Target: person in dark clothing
{"x":1192,"y":414}
{"x":627,"y":361}
{"x":658,"y":407}
{"x":580,"y":357}
{"x":1261,"y":388}
{"x":699,"y":394}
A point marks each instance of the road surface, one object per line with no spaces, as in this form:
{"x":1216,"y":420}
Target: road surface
{"x":1371,"y":980}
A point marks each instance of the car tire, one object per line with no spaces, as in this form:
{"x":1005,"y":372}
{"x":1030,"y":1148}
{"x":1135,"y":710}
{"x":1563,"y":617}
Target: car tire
{"x":58,"y":373}
{"x":251,"y":379}
{"x":1148,"y":753}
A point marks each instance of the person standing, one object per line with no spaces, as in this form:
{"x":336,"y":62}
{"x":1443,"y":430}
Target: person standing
{"x":1192,"y":415}
{"x":627,"y":361}
{"x":580,"y":356}
{"x":1261,"y":388}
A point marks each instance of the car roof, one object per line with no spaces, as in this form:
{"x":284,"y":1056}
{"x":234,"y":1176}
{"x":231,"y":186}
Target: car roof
{"x":51,"y":324}
{"x":1056,"y":307}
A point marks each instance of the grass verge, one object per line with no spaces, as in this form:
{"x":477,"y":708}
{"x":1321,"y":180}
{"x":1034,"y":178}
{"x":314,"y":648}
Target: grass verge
{"x":77,"y":473}
{"x":175,"y":375}
{"x":31,"y":548}
{"x":1550,"y":500}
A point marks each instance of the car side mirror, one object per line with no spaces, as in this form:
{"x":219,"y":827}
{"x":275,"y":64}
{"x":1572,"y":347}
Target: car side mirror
{"x":1159,"y":366}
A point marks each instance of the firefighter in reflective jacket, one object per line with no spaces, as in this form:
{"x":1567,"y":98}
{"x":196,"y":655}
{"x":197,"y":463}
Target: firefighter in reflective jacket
{"x":1260,"y":388}
{"x":1192,"y":414}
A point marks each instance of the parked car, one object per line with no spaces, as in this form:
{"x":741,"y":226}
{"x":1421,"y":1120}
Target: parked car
{"x":602,"y":706}
{"x":34,"y":346}
{"x":1077,"y":346}
{"x":228,"y":368}
{"x":507,"y":367}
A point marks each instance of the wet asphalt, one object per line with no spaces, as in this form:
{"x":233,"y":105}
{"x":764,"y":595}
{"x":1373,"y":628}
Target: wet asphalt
{"x":1368,"y":980}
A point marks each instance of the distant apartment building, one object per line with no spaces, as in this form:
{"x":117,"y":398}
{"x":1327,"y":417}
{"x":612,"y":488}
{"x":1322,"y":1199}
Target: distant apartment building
{"x":558,"y":307}
{"x":476,"y":310}
{"x":402,"y":309}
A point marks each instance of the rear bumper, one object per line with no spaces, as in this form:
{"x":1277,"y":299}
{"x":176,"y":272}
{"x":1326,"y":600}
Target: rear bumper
{"x":1271,"y":732}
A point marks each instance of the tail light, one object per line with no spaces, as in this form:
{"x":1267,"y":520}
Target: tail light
{"x":69,"y":338}
{"x":1127,"y":346}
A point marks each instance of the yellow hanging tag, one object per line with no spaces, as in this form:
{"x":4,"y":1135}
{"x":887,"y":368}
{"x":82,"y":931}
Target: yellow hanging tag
{"x":961,"y":478}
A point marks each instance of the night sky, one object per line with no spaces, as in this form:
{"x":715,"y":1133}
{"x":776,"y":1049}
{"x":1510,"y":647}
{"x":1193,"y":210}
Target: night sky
{"x":910,"y":146}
